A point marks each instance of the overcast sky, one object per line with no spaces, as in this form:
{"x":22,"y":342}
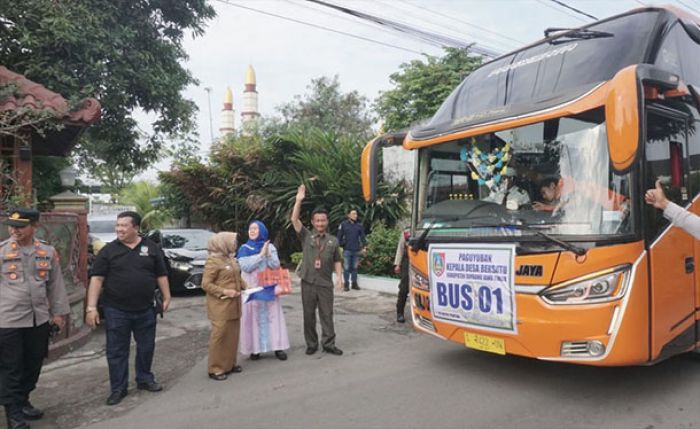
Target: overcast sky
{"x":287,"y":55}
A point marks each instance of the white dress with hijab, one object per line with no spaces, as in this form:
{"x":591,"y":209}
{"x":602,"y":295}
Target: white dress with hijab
{"x":263,"y":327}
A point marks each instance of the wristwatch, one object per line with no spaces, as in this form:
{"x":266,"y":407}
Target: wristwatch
{"x":89,"y":309}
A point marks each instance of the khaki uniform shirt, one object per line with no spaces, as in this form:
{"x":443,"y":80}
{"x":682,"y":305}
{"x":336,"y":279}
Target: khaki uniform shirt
{"x":31,"y":285}
{"x":220,"y":274}
{"x":321,"y":247}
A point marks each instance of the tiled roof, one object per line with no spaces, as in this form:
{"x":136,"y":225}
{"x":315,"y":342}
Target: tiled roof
{"x":38,"y":97}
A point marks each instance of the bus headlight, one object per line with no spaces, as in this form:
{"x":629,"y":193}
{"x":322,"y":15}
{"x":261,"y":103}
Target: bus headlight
{"x":603,"y":286}
{"x":418,"y":280}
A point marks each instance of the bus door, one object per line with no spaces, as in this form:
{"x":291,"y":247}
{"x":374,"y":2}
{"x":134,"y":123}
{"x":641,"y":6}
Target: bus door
{"x":671,"y":250}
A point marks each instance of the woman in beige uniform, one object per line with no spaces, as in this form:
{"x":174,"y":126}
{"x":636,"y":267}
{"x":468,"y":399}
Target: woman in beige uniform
{"x":223,"y":284}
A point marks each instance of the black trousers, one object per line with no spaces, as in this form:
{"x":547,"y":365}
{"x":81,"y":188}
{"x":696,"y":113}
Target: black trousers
{"x":22,"y":353}
{"x":321,"y":297}
{"x":403,"y":287}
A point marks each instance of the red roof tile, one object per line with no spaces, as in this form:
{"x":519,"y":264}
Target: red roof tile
{"x":36,"y":96}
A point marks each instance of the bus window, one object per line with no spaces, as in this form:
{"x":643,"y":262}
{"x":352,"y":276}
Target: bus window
{"x":668,"y":56}
{"x":690,"y":58}
{"x":664,"y":136}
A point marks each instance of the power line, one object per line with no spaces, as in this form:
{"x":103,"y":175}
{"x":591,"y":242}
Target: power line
{"x":688,"y":6}
{"x":302,"y":3}
{"x":580,"y":12}
{"x":542,"y":2}
{"x":444,"y":41}
{"x":463,"y":22}
{"x":506,"y":45}
{"x":320,"y":27}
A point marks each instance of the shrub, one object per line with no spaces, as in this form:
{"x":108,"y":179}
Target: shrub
{"x":381,"y":248}
{"x":296,"y":258}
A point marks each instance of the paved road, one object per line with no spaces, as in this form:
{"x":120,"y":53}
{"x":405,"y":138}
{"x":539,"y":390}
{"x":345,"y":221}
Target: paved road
{"x":392,"y":377}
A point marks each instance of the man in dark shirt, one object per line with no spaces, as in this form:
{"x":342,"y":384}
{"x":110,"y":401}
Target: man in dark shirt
{"x":321,"y":257}
{"x":129,"y":269}
{"x":351,"y":236}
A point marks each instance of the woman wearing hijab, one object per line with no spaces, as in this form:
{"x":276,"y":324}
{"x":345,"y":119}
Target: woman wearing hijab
{"x":222,"y":283}
{"x":263,"y":328}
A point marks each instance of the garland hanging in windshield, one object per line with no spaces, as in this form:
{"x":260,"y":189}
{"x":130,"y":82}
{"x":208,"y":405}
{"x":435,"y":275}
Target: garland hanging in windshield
{"x":489,"y":168}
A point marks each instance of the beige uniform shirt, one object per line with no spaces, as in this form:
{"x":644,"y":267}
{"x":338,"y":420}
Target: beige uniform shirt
{"x":31,"y":285}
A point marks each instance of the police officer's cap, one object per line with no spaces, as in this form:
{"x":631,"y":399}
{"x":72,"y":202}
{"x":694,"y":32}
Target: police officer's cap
{"x":22,"y":217}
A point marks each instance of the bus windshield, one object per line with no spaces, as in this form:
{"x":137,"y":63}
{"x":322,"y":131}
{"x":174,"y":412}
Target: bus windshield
{"x":552,"y":177}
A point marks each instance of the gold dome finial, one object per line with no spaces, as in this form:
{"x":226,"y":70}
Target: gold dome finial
{"x":228,"y":96}
{"x":250,"y":75}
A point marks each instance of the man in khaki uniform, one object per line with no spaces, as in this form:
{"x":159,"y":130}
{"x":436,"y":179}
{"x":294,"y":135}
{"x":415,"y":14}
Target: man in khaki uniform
{"x":321,"y":256}
{"x":33,"y":298}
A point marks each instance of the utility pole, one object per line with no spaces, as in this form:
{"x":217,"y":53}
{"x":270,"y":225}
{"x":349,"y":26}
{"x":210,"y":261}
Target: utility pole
{"x":211,"y":125}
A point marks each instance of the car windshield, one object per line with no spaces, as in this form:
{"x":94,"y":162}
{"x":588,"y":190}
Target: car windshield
{"x":195,"y":239}
{"x":103,"y":226}
{"x":551,"y":177}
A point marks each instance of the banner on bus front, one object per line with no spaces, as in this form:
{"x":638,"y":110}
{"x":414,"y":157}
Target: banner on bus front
{"x":473,"y":285}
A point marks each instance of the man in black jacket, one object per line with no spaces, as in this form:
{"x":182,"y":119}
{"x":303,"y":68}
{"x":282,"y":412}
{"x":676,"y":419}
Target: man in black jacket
{"x":351,"y":236}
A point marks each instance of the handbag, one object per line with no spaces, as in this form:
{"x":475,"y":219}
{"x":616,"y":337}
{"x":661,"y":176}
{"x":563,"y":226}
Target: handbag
{"x":278,"y":277}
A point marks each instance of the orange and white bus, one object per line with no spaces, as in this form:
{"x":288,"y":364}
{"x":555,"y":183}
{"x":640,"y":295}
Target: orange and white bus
{"x":589,"y":118}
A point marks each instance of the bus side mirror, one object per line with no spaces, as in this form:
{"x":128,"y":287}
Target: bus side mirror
{"x":622,"y":118}
{"x":623,"y":107}
{"x":370,"y":162}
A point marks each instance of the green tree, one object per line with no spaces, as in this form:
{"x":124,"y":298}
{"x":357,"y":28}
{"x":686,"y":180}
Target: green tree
{"x":142,"y":195}
{"x":421,"y":86}
{"x":325,"y":107}
{"x":127,"y":53}
{"x":257,"y":178}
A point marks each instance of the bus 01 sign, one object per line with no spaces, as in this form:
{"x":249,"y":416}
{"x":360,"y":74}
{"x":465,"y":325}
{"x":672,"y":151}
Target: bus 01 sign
{"x":472,"y":286}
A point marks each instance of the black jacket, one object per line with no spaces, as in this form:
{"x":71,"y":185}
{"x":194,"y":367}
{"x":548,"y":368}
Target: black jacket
{"x":351,"y":235}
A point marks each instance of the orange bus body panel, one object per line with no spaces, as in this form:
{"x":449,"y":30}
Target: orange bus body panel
{"x":542,"y":327}
{"x":365,"y":173}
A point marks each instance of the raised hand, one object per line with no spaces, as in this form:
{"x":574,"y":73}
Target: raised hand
{"x":301,"y":192}
{"x":656,"y":197}
{"x":265,"y":251}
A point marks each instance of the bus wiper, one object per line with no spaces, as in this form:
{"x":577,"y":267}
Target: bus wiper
{"x":420,"y":241}
{"x":571,"y":34}
{"x":580,"y":251}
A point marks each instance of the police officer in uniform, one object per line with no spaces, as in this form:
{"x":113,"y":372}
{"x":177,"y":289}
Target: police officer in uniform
{"x":33,"y":299}
{"x":401,"y":268}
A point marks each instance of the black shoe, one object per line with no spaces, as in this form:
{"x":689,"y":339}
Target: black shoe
{"x":218,"y":377}
{"x":236,"y":369}
{"x":333,"y":350}
{"x":151,"y":387}
{"x":254,"y":356}
{"x":30,"y":412}
{"x":346,"y":288}
{"x":311,"y":350}
{"x":15,"y":418}
{"x":116,"y":397}
{"x":281,"y":355}
{"x":400,"y":318}
{"x":355,"y":286}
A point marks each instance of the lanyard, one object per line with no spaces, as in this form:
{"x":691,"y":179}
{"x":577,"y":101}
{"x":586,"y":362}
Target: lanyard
{"x":320,"y":248}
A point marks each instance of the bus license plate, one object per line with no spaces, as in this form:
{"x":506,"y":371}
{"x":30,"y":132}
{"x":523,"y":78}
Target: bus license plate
{"x":485,"y":343}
